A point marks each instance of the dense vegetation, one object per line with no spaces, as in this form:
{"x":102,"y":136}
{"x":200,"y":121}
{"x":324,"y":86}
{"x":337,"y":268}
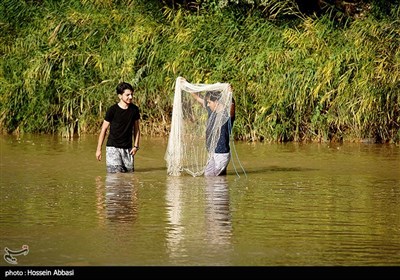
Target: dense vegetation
{"x":300,"y":70}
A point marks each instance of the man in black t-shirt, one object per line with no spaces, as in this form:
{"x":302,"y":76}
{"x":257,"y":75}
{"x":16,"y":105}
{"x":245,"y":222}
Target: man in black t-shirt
{"x":123,"y":120}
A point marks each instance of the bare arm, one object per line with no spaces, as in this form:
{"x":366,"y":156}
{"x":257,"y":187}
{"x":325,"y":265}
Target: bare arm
{"x":233,"y":105}
{"x":233,"y":109}
{"x":102,"y":136}
{"x":198,"y":98}
{"x":136,"y":136}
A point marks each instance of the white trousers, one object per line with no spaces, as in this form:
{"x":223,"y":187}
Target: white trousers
{"x":217,"y":164}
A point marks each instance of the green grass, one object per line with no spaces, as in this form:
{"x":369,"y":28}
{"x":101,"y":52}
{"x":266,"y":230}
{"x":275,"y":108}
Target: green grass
{"x":309,"y":79}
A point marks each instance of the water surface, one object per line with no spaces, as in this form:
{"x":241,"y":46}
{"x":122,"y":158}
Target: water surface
{"x":295,"y":205}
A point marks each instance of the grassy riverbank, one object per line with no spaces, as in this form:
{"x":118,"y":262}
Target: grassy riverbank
{"x":298,"y":79}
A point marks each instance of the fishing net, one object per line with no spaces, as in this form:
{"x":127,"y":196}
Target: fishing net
{"x":195,"y":129}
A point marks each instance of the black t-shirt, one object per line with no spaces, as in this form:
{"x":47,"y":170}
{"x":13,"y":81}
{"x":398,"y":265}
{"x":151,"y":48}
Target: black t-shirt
{"x":121,"y":125}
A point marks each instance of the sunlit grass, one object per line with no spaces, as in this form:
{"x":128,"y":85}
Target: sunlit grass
{"x":307,"y":80}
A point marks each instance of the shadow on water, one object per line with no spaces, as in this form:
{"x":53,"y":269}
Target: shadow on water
{"x":149,"y":169}
{"x":276,"y":169}
{"x":248,"y":171}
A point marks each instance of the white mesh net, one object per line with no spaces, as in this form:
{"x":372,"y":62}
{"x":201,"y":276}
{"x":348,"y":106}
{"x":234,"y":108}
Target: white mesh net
{"x":195,"y":128}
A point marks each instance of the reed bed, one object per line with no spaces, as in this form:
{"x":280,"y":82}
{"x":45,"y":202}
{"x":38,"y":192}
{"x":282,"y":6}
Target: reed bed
{"x":299,"y":79}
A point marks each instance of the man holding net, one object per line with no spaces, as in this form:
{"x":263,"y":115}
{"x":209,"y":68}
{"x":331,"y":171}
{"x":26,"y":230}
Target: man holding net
{"x":191,"y":125}
{"x":219,"y":160}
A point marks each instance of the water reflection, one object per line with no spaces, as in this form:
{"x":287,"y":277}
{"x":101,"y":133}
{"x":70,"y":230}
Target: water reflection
{"x":117,"y":197}
{"x":218,"y":215}
{"x":199,"y":217}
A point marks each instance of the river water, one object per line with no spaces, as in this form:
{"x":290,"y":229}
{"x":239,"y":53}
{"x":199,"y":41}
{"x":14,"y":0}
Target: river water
{"x":280,"y":205}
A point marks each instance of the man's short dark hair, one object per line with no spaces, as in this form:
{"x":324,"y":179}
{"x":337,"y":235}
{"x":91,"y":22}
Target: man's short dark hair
{"x":213,"y":95}
{"x":121,"y":87}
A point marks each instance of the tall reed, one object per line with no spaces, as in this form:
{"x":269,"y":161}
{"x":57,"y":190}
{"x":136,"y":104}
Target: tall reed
{"x":299,"y":80}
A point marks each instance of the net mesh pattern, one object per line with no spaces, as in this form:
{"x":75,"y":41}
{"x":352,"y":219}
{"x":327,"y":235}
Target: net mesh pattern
{"x":195,"y":131}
